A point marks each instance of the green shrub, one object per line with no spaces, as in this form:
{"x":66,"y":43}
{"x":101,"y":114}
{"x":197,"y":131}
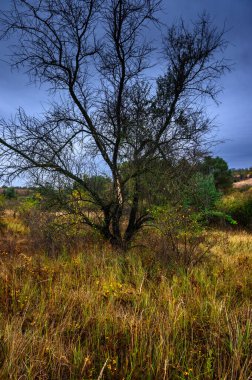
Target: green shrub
{"x":202,"y":196}
{"x":186,"y":241}
{"x":10,"y":192}
{"x":27,"y":208}
{"x":201,"y":193}
{"x":239,"y":206}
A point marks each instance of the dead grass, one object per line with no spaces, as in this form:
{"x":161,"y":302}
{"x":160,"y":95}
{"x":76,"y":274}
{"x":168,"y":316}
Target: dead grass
{"x":244,"y":183}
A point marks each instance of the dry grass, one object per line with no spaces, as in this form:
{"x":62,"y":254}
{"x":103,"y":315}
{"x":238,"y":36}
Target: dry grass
{"x":244,"y":183}
{"x":98,"y":315}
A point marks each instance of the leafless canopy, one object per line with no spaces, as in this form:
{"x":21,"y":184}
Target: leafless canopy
{"x":110,"y":117}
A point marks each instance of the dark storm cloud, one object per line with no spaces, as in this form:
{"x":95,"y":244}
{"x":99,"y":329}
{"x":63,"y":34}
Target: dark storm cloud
{"x":234,"y":115}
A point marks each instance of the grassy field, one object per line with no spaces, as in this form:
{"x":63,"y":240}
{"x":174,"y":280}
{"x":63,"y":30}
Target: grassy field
{"x":96,"y":314}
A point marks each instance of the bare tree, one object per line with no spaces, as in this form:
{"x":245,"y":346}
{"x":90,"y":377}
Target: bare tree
{"x":110,"y":115}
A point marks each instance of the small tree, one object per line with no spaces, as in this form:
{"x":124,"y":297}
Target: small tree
{"x":97,"y":55}
{"x":201,"y":193}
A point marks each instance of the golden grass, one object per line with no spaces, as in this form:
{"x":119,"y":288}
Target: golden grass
{"x":100,"y":315}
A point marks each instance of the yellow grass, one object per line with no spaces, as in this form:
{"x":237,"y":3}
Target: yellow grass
{"x":99,"y":315}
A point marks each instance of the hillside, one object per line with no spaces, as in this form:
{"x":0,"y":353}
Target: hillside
{"x":244,"y":183}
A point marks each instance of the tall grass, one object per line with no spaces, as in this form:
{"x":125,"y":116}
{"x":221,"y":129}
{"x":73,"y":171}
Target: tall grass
{"x":100,"y":315}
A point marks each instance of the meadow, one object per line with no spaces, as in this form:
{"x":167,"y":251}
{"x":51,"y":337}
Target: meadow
{"x":94,"y":313}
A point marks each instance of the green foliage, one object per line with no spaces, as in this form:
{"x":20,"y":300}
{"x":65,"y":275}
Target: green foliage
{"x":186,"y":240}
{"x":153,"y":184}
{"x":99,"y":184}
{"x":80,"y":199}
{"x":179,"y":183}
{"x":201,"y":193}
{"x":10,"y":192}
{"x":29,"y":204}
{"x":239,"y":206}
{"x":218,"y":168}
{"x":51,"y":198}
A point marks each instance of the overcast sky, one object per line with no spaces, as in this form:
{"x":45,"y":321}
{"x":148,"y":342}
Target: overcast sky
{"x":233,"y":115}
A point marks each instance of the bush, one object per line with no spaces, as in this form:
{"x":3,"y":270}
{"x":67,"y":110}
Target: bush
{"x":53,"y":233}
{"x":202,"y":196}
{"x":239,"y":206}
{"x":185,"y":240}
{"x":10,"y":193}
{"x":201,"y":193}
